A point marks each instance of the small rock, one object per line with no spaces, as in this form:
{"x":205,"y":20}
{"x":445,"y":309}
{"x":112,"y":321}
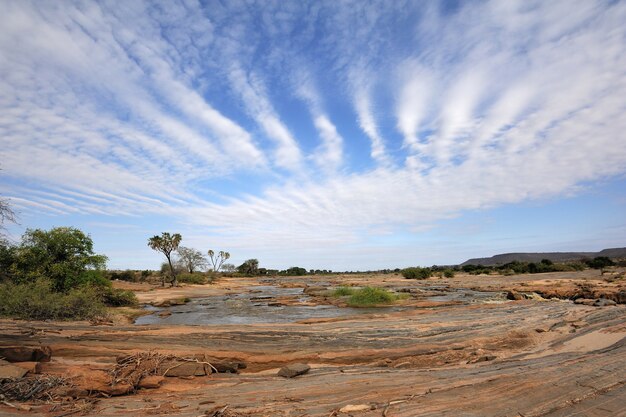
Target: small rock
{"x":534,"y":296}
{"x":604,"y":302}
{"x":483,"y":358}
{"x":402,"y":365}
{"x":26,"y":354}
{"x":584,"y":301}
{"x":350,"y":408}
{"x":8,"y":370}
{"x":227,"y":367}
{"x":31,"y":367}
{"x":514,"y":295}
{"x":542,"y":329}
{"x":151,"y":381}
{"x":181,"y":369}
{"x":313,"y":289}
{"x":293,"y":370}
{"x":166,"y":313}
{"x":97,"y":380}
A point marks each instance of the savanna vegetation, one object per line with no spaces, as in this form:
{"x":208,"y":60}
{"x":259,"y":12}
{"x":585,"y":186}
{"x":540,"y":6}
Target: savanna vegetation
{"x":545,"y":265}
{"x":367,"y":296}
{"x":55,"y":274}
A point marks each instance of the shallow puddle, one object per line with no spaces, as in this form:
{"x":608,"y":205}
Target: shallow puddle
{"x":257,"y":305}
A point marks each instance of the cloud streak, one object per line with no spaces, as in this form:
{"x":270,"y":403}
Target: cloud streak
{"x":342,"y":120}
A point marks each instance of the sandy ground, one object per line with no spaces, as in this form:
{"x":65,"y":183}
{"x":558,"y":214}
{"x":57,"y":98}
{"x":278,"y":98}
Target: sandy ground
{"x":532,"y":357}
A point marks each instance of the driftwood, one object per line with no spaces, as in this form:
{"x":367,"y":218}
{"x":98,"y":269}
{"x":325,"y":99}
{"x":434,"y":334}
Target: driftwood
{"x":39,"y":387}
{"x":133,"y":368}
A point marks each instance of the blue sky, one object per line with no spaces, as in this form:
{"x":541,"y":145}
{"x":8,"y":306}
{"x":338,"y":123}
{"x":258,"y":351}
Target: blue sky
{"x":342,"y":134}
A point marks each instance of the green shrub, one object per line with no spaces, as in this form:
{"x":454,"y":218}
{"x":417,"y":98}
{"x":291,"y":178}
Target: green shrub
{"x":195,"y":278}
{"x":600,"y":262}
{"x":371,"y":296}
{"x":448,"y":273}
{"x":63,"y":255}
{"x":39,"y":301}
{"x":343,"y":291}
{"x":126,"y":275}
{"x":417,"y":273}
{"x":116,"y":297}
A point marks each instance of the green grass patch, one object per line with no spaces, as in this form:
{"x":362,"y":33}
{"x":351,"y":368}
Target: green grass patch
{"x":196,"y":278}
{"x":343,"y":291}
{"x":370,"y":296}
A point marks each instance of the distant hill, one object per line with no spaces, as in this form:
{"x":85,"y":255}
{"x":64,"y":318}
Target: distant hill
{"x":537,"y":257}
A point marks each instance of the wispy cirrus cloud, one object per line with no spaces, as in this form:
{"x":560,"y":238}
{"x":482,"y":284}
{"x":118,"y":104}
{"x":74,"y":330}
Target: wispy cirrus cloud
{"x":340,"y":119}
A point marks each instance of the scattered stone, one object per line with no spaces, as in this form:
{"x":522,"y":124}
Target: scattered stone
{"x":514,"y":295}
{"x":166,"y":313}
{"x":26,"y":354}
{"x":31,"y":367}
{"x":584,"y":301}
{"x":293,"y":370}
{"x":97,"y":381}
{"x":182,"y":368}
{"x":151,"y":381}
{"x":8,"y":370}
{"x":350,"y":408}
{"x":604,"y":302}
{"x":483,"y":358}
{"x":402,"y":365}
{"x":542,"y":329}
{"x":231,"y":367}
{"x":534,"y":296}
{"x":313,"y":289}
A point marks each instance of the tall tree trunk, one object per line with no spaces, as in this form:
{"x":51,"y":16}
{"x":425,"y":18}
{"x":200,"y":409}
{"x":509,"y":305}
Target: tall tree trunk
{"x":173,"y":282}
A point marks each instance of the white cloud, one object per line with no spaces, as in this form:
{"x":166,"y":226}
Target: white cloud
{"x":123,"y":109}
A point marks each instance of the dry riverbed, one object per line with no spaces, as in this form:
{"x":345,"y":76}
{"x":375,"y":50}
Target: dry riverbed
{"x":453,"y":347}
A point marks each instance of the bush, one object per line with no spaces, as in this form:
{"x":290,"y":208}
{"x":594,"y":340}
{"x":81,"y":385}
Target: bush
{"x":600,"y":262}
{"x":126,"y":275}
{"x":343,"y":291}
{"x":63,"y":255}
{"x":116,"y":297}
{"x":371,"y":296}
{"x":38,"y":301}
{"x":195,"y":278}
{"x":448,"y":273}
{"x":417,"y":273}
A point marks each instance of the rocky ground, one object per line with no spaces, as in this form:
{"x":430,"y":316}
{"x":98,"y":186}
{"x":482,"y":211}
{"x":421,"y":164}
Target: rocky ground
{"x":447,"y":350}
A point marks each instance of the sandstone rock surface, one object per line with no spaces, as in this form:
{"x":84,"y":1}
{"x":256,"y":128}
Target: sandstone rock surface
{"x":293,"y":370}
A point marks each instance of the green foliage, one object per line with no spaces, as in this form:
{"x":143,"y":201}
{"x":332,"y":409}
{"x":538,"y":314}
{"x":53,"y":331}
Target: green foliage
{"x":116,"y":297}
{"x":343,"y":291}
{"x":518,"y":267}
{"x":218,"y":260}
{"x":64,"y":255}
{"x":371,"y":296}
{"x":417,"y":273}
{"x":195,"y":278}
{"x":249,"y":267}
{"x":600,"y":262}
{"x":7,"y":259}
{"x":294,"y":271}
{"x":166,"y":244}
{"x":126,"y":275}
{"x":448,"y":273}
{"x":38,"y":300}
{"x":192,"y":259}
